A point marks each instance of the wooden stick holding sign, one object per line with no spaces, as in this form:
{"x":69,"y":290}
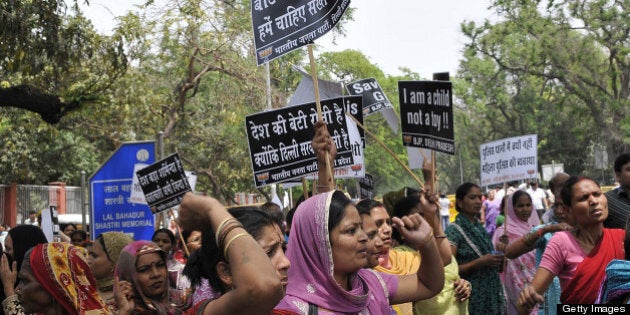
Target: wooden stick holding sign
{"x":181,"y":237}
{"x":413,"y":175}
{"x":431,"y":170}
{"x":318,"y":105}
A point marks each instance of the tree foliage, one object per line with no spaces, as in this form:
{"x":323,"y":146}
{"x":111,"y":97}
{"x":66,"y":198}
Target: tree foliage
{"x":185,"y":69}
{"x":556,"y":68}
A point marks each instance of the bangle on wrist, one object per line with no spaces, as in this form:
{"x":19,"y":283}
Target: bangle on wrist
{"x":426,"y":240}
{"x":226,"y":230}
{"x":220,"y":227}
{"x":227,"y":245}
{"x":440,"y":236}
{"x":526,"y":240}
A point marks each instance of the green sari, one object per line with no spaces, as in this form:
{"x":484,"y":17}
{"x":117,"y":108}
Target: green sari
{"x":487,"y":296}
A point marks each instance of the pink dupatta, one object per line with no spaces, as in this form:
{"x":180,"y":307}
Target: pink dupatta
{"x":311,"y":280}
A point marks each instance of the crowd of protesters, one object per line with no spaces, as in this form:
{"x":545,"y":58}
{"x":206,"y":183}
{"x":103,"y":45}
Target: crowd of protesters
{"x":515,"y":250}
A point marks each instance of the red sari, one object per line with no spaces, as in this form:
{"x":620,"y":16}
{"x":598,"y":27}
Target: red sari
{"x":583,"y":287}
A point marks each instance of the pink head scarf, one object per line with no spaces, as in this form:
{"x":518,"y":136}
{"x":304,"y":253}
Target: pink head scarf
{"x":311,"y":278}
{"x":516,"y":227}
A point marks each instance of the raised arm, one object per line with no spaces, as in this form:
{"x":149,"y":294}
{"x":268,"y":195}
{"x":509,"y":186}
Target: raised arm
{"x":429,"y":280}
{"x":431,"y":211}
{"x":256,"y":288}
{"x":324,"y":146}
{"x":429,"y":203}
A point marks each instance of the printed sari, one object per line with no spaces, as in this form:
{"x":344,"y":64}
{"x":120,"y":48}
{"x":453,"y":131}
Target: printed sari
{"x":519,"y":272}
{"x":472,"y":241}
{"x":62,"y":270}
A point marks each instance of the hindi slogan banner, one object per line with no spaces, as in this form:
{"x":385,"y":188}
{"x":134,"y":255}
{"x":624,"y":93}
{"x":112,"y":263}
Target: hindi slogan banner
{"x":367,"y":187}
{"x":283,"y":26}
{"x":164,"y":183}
{"x":426,"y":113}
{"x":280,"y":140}
{"x":357,"y":169}
{"x":509,"y":159}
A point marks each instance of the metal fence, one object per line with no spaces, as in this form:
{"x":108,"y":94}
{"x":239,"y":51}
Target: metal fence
{"x":73,"y":199}
{"x":37,"y":197}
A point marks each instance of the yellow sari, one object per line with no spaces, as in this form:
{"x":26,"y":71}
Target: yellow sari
{"x":402,"y":263}
{"x":445,"y":302}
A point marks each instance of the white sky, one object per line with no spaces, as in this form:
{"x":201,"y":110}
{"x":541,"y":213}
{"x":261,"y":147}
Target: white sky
{"x":421,"y":35}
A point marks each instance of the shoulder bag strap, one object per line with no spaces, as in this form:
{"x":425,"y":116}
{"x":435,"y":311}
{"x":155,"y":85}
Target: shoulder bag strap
{"x":470,"y":243}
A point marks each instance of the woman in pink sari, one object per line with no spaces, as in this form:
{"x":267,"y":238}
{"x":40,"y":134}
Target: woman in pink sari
{"x":519,"y":272}
{"x":328,"y":253}
{"x":577,"y":257}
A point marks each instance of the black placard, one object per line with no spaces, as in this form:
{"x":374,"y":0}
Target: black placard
{"x":426,"y":113}
{"x":283,"y":26}
{"x":374,"y":99}
{"x":164,"y":183}
{"x":367,"y":187}
{"x":280,"y":140}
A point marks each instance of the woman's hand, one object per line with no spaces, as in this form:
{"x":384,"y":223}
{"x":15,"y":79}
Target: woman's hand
{"x":124,"y":296}
{"x":552,"y":228}
{"x":491,"y":260}
{"x":8,"y":275}
{"x":414,"y":229}
{"x":194,"y":212}
{"x":323,"y":143}
{"x":462,"y":289}
{"x":528,"y":299}
{"x":429,"y":205}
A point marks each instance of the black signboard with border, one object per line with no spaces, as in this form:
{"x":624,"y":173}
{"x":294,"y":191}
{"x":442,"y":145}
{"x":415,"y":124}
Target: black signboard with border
{"x":283,"y":26}
{"x":374,"y":99}
{"x":280,"y":140}
{"x":367,"y":187}
{"x":426,"y":113}
{"x":164,"y":183}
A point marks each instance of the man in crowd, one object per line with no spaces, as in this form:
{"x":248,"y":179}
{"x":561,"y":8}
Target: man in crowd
{"x":32,"y":218}
{"x":539,"y":198}
{"x":618,"y":199}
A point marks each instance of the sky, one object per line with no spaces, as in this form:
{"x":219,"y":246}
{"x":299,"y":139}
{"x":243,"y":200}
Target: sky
{"x":421,"y":35}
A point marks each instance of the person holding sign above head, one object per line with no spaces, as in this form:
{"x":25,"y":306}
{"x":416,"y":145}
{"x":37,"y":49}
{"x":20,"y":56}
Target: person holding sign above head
{"x":453,"y":299}
{"x":578,"y":256}
{"x":474,"y":252}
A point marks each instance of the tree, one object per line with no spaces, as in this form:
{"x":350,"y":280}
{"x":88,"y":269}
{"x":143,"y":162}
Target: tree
{"x":51,"y":60}
{"x":54,"y":64}
{"x":572,"y":57}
